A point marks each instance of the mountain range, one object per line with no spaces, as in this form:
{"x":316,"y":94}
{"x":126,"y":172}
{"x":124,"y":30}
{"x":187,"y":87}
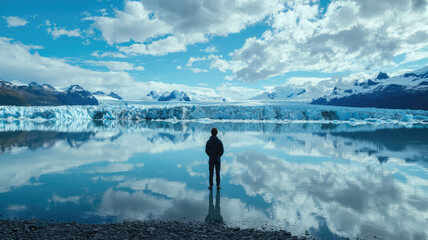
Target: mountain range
{"x":406,"y":91}
{"x":34,"y":94}
{"x":100,"y":95}
{"x":180,"y":96}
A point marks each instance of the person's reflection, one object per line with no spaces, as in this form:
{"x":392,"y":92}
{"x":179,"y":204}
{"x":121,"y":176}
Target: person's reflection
{"x":214,"y":215}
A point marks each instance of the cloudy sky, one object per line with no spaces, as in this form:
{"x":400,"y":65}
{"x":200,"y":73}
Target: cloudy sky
{"x":233,"y":48}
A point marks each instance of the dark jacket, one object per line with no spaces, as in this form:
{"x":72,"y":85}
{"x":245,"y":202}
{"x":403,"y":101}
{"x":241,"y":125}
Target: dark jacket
{"x":214,"y":148}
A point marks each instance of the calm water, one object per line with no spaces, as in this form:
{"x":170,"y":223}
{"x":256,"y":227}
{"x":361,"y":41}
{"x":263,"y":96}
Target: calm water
{"x":330,"y":180}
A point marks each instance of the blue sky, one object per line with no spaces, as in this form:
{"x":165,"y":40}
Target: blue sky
{"x":235,"y":49}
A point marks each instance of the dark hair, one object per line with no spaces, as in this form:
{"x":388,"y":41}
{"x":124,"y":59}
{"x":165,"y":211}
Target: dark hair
{"x":214,"y":131}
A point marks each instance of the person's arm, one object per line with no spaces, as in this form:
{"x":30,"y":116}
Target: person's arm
{"x":207,"y":150}
{"x":221,"y":149}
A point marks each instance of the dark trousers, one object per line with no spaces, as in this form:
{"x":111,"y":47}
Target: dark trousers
{"x":214,"y":162}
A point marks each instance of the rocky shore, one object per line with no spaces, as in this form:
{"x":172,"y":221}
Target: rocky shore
{"x":36,"y":229}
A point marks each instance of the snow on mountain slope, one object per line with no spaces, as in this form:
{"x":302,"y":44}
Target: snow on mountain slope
{"x":34,"y":94}
{"x":304,"y":90}
{"x":284,"y":93}
{"x":115,"y":95}
{"x":103,"y":97}
{"x":407,"y":91}
{"x":188,"y":95}
{"x":174,"y":96}
{"x":76,"y":95}
{"x":218,"y":112}
{"x":153,"y":95}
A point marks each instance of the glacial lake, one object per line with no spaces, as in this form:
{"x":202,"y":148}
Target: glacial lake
{"x":332,"y":181}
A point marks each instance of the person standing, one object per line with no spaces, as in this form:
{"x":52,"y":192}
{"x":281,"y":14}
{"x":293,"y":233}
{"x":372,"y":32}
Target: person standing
{"x":214,"y":149}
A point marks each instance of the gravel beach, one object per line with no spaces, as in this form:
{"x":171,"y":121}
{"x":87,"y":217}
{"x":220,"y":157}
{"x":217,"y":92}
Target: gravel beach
{"x":36,"y":229}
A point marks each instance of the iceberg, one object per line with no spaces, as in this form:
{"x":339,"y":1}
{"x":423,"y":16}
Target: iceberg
{"x":268,"y":112}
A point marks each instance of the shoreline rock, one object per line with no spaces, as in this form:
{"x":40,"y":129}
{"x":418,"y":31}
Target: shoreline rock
{"x":39,"y":229}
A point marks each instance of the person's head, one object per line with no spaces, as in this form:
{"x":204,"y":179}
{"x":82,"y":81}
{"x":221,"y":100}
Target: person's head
{"x":214,"y":131}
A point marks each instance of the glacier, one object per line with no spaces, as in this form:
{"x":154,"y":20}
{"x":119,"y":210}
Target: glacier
{"x":249,"y":112}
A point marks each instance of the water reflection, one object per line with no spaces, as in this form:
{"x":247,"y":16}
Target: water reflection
{"x":40,"y":139}
{"x":214,"y":213}
{"x":411,"y":140}
{"x":353,"y":199}
{"x":333,"y":180}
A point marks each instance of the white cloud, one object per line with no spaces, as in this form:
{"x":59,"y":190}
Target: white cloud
{"x":210,"y":49}
{"x":303,"y":80}
{"x":135,"y":22}
{"x":13,"y":21}
{"x":194,"y":59}
{"x":415,"y":56}
{"x":137,"y":205}
{"x":70,"y":199}
{"x":401,"y":72}
{"x":58,"y":32}
{"x":198,"y":70}
{"x":238,"y":92}
{"x":223,"y":65}
{"x":192,"y":173}
{"x":16,"y":207}
{"x":117,"y":167}
{"x":114,"y":178}
{"x":179,"y":67}
{"x":182,"y":23}
{"x":157,"y":48}
{"x":214,"y":62}
{"x":350,"y":36}
{"x":108,"y":54}
{"x":19,"y":63}
{"x":116,"y":65}
{"x":171,"y":189}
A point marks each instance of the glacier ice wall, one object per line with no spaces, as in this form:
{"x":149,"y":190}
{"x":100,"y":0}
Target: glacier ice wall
{"x":272,"y":112}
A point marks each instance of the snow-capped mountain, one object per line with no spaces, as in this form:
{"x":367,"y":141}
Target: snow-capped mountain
{"x":76,"y":95}
{"x":34,"y":94}
{"x":183,"y":96}
{"x":34,"y":85}
{"x":115,"y":95}
{"x":100,"y":95}
{"x":174,"y":96}
{"x":153,"y":95}
{"x":303,"y":92}
{"x":286,"y":92}
{"x":407,"y":91}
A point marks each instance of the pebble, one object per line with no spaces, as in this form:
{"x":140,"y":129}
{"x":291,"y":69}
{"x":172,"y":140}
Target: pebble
{"x":19,"y":229}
